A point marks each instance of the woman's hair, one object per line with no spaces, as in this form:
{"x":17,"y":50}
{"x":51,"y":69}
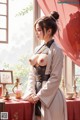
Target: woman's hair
{"x":48,"y":22}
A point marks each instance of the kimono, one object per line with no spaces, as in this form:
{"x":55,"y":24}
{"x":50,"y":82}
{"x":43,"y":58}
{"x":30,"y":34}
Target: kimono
{"x":53,"y":103}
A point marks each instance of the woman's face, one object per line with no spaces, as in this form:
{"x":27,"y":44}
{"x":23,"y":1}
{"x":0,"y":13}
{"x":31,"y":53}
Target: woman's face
{"x":39,"y":32}
{"x":46,"y":35}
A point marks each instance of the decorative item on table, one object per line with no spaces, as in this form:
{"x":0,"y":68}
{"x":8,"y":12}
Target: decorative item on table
{"x":6,"y":96}
{"x":75,"y":88}
{"x":6,"y":77}
{"x":70,"y":95}
{"x":17,"y":90}
{"x":63,"y":86}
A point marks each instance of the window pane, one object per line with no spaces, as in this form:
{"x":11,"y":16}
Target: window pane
{"x":2,"y":22}
{"x":77,"y":70}
{"x":2,"y":9}
{"x":2,"y":35}
{"x":3,"y":1}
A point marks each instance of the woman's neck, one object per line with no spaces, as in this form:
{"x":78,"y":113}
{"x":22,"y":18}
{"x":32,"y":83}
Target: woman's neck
{"x":47,"y":40}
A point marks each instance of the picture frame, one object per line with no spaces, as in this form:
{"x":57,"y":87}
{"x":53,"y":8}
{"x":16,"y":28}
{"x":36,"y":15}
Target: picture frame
{"x":6,"y":77}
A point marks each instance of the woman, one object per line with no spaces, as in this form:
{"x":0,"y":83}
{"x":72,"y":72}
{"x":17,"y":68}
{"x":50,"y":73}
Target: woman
{"x":44,"y":80}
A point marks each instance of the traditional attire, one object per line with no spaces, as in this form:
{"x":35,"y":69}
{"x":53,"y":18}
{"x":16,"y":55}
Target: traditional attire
{"x":45,"y":81}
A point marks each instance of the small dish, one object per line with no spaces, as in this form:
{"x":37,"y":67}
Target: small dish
{"x":70,"y":95}
{"x":70,"y":98}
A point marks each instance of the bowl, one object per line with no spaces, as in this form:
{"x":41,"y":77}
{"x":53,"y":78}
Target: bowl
{"x":70,"y":95}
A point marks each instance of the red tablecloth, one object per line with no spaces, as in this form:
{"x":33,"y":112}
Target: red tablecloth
{"x":73,"y":108}
{"x":19,"y":110}
{"x":23,"y":110}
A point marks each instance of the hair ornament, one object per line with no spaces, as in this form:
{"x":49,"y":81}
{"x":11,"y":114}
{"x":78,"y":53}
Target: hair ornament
{"x":53,"y":18}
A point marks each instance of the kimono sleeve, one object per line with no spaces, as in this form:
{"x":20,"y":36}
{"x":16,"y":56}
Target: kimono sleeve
{"x":31,"y":84}
{"x":49,"y":90}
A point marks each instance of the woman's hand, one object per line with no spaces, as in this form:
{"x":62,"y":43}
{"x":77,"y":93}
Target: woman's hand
{"x":33,"y":98}
{"x":30,"y":99}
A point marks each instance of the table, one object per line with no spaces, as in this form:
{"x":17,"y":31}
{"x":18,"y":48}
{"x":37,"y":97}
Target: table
{"x":19,"y":110}
{"x":23,"y":110}
{"x":73,"y":108}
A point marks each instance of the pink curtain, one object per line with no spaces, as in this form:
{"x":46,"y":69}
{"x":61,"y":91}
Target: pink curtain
{"x":68,"y":35}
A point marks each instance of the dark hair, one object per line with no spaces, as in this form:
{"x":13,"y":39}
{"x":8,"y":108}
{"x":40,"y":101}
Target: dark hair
{"x":48,"y":22}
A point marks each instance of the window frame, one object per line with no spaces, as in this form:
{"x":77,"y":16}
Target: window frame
{"x":6,"y":27}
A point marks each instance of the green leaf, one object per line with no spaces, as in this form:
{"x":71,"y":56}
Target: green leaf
{"x":25,"y":10}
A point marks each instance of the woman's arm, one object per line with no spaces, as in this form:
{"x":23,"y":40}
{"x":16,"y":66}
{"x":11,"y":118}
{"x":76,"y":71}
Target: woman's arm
{"x":30,"y":86}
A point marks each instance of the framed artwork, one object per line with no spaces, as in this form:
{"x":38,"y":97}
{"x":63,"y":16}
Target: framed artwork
{"x":6,"y":77}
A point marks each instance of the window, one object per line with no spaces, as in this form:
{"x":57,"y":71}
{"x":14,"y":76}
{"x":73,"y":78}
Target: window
{"x":3,"y":21}
{"x":15,"y":54}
